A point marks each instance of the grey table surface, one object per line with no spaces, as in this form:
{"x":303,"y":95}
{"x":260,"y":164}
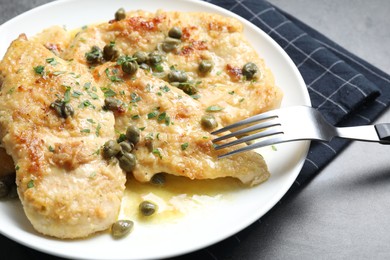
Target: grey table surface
{"x":344,"y":212}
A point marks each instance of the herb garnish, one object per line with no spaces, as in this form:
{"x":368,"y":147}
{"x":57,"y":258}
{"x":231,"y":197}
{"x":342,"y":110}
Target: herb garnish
{"x":39,"y":70}
{"x":214,"y":108}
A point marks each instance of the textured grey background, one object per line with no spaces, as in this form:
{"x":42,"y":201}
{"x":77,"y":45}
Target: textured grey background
{"x":344,"y":213}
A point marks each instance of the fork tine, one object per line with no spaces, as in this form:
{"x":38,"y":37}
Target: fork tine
{"x":268,"y":132}
{"x":272,"y":122}
{"x":249,"y":120}
{"x":262,"y":143}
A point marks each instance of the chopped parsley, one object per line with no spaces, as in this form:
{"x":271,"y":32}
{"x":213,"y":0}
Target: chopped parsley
{"x":165,"y":89}
{"x":67,"y":95}
{"x":92,"y":95}
{"x":86,"y":130}
{"x":121,"y":138}
{"x":87,"y":85}
{"x":76,"y":93}
{"x":162,"y":116}
{"x":135,"y":98}
{"x":39,"y":70}
{"x":108,"y":92}
{"x":152,"y":114}
{"x":184,"y":146}
{"x":113,"y":75}
{"x":214,"y":108}
{"x":52,"y":61}
{"x":157,"y":152}
{"x":30,"y":184}
{"x":97,"y":132}
{"x":86,"y":103}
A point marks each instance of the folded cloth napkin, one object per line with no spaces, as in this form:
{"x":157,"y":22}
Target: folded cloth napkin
{"x":346,"y":89}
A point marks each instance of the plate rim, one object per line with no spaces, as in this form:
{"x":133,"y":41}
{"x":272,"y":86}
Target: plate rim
{"x":282,"y":191}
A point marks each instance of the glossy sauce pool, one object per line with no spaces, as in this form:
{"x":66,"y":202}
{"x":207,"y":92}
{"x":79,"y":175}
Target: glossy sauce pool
{"x":175,"y":198}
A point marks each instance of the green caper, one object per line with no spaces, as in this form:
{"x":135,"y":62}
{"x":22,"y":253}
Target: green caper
{"x":62,"y":108}
{"x":129,"y":67}
{"x":147,"y":208}
{"x":110,"y":149}
{"x":205,"y":66}
{"x":126,"y":147}
{"x":110,"y":53}
{"x":95,"y":55}
{"x":127,"y":161}
{"x":249,"y":70}
{"x":154,"y":58}
{"x":188,"y":87}
{"x":133,"y":134}
{"x":120,"y":14}
{"x":141,"y":57}
{"x":158,"y":179}
{"x":175,"y":32}
{"x":208,"y":122}
{"x":170,"y":44}
{"x":4,"y":189}
{"x":177,"y":76}
{"x":121,"y":228}
{"x":112,"y":104}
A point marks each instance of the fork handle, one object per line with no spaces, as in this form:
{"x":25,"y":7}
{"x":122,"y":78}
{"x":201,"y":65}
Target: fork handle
{"x":383,"y":131}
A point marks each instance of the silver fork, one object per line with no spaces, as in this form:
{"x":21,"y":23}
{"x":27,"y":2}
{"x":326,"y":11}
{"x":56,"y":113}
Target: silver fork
{"x":293,"y":124}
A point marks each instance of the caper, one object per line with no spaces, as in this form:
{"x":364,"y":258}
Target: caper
{"x":129,"y":67}
{"x":154,"y":58}
{"x":95,"y":55}
{"x":126,"y":147}
{"x":158,"y":179}
{"x":205,"y":66}
{"x":175,"y":32}
{"x":177,"y":76}
{"x":127,"y":161}
{"x":147,"y":208}
{"x":62,"y":109}
{"x":4,"y":189}
{"x":110,"y":149}
{"x":120,"y":14}
{"x":208,"y":122}
{"x":110,"y":52}
{"x":249,"y":70}
{"x":188,"y":87}
{"x":141,"y":57}
{"x":133,"y":134}
{"x":121,"y":228}
{"x":112,"y":104}
{"x":170,"y":44}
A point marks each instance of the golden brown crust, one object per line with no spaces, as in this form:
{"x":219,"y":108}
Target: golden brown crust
{"x":66,"y":188}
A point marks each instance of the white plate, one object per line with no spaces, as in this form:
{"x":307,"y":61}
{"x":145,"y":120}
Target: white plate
{"x":202,"y":227}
